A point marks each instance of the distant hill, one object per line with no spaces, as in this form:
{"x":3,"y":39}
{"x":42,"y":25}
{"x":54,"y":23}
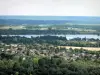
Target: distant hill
{"x":18,"y":20}
{"x":30,"y":22}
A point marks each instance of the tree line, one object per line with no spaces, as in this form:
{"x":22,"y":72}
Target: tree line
{"x":54,"y":40}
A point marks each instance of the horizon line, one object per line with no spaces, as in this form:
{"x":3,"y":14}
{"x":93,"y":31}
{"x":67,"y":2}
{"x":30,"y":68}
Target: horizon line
{"x":51,"y":15}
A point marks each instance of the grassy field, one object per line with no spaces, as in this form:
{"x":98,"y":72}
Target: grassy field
{"x":12,"y":27}
{"x":86,"y":48}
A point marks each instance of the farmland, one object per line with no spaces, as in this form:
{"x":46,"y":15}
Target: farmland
{"x":85,"y":48}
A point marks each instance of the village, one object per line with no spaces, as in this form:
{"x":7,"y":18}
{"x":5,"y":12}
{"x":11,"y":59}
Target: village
{"x":48,"y":51}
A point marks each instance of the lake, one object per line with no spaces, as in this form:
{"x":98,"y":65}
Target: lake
{"x":69,"y":36}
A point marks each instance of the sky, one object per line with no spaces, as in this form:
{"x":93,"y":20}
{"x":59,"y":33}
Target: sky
{"x":50,"y":7}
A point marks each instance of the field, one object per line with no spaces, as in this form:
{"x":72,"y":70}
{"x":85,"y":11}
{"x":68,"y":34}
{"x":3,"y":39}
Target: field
{"x":12,"y":27}
{"x":50,"y":27}
{"x":86,"y":48}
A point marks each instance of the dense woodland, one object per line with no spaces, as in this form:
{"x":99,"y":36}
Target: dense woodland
{"x":44,"y":32}
{"x":46,"y":66}
{"x":18,"y":32}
